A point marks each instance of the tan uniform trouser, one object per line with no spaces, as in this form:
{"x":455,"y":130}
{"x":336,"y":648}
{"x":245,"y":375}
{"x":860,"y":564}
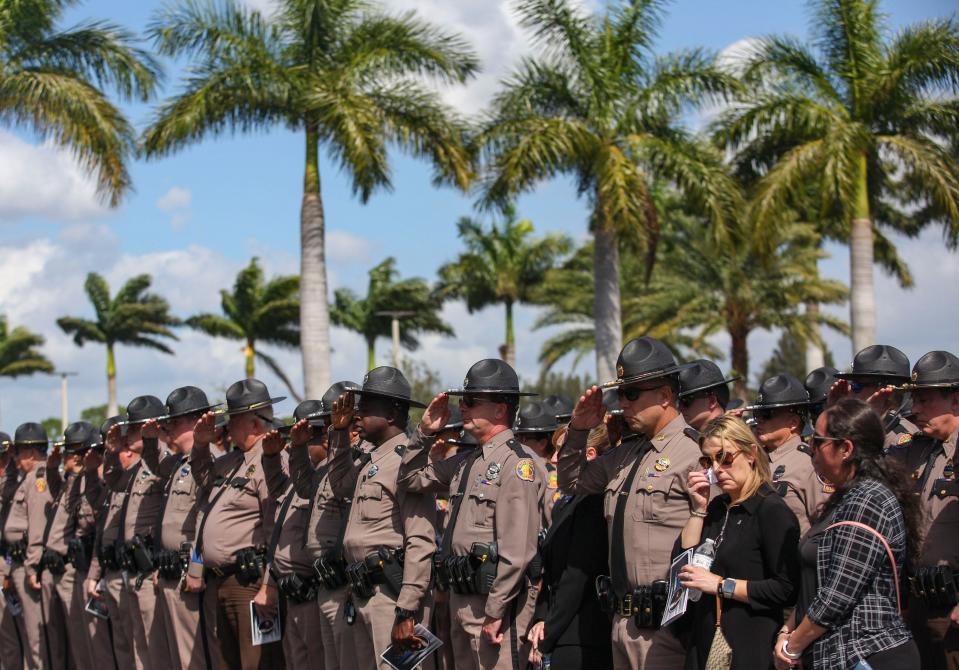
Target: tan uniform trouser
{"x":229,"y":601}
{"x":336,"y":639}
{"x":34,"y":642}
{"x":372,"y":629}
{"x":644,"y":647}
{"x":121,"y":605}
{"x":181,"y":628}
{"x":471,"y":648}
{"x":444,"y":659}
{"x":11,"y":634}
{"x":63,"y":599}
{"x":302,"y":645}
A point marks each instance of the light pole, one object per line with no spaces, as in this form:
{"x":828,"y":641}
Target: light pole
{"x":64,"y":411}
{"x":396,"y":315}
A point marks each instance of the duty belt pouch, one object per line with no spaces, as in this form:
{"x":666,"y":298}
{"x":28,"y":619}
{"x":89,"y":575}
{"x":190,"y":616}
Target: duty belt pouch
{"x":604,"y":593}
{"x":18,"y":551}
{"x":359,"y":577}
{"x":107,"y":555}
{"x":441,"y":577}
{"x":249,"y":565}
{"x":124,"y":556}
{"x":52,"y":562}
{"x":945,"y":586}
{"x":331,"y":571}
{"x":142,"y":553}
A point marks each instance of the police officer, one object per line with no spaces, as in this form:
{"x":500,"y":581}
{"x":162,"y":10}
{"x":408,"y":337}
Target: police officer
{"x":326,"y":524}
{"x":235,"y":524}
{"x":182,"y":617}
{"x":390,"y":535}
{"x":646,"y":499}
{"x":818,"y":384}
{"x":494,"y":519}
{"x":62,"y":580}
{"x":23,"y":535}
{"x":931,"y":457}
{"x":10,"y":626}
{"x":703,"y":392}
{"x":876,"y":370}
{"x":559,"y":405}
{"x":534,"y":428}
{"x":780,"y":413}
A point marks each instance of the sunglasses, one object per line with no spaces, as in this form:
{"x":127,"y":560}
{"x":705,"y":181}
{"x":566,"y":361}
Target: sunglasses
{"x":722,"y":459}
{"x":474,"y":400}
{"x":632,"y":393}
{"x":856,"y":387}
{"x":815,"y":441}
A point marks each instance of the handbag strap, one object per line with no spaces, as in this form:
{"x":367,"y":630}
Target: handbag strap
{"x":719,"y":610}
{"x":892,"y":559}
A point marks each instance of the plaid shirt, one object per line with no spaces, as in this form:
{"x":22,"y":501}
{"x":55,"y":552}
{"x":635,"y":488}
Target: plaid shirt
{"x":856,"y":600}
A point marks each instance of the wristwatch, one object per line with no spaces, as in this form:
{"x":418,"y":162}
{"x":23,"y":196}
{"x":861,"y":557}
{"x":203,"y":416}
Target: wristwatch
{"x":727,"y":589}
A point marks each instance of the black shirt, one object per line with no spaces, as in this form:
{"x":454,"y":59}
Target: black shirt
{"x":759,"y":545}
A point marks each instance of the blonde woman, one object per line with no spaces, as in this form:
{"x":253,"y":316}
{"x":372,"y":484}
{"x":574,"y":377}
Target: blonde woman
{"x":756,"y":568}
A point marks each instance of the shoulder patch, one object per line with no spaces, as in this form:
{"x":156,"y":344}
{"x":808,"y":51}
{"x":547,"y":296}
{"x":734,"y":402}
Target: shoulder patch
{"x":41,"y":485}
{"x":525,"y":470}
{"x":905,"y":438}
{"x":551,"y":480}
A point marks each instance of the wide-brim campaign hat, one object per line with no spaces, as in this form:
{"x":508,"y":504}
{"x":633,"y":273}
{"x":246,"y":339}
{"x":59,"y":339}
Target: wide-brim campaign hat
{"x":187,"y":400}
{"x":611,"y":402}
{"x":31,"y":434}
{"x":560,"y":405}
{"x":5,"y":442}
{"x":110,"y":423}
{"x":937,"y":369}
{"x":143,"y":408}
{"x":533,"y":417}
{"x":781,"y":391}
{"x":312,"y":411}
{"x":819,"y":381}
{"x":643,"y":359}
{"x":388,"y":382}
{"x":701,"y":375}
{"x":78,"y":436}
{"x":335,"y":391}
{"x":248,"y":395}
{"x":490,"y":376}
{"x":879,"y":361}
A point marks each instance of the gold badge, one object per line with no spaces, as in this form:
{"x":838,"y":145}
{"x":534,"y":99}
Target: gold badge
{"x":662,"y":464}
{"x":41,"y":485}
{"x":619,"y":371}
{"x":250,"y":471}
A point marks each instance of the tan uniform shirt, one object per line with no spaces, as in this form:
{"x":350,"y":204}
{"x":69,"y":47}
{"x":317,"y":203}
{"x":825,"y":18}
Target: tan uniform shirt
{"x":11,"y":482}
{"x":658,"y":505}
{"x":327,"y":511}
{"x":146,"y":502}
{"x":243,"y":515}
{"x":28,"y":515}
{"x":791,"y":467}
{"x":291,"y":554}
{"x":92,"y":496}
{"x":181,"y":495}
{"x":383,"y":515}
{"x":940,"y":506}
{"x":501,"y":504}
{"x":65,"y":506}
{"x":108,"y":515}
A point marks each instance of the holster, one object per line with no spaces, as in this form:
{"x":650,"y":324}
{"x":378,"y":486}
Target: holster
{"x":645,"y":604}
{"x":141,"y":551}
{"x":171,"y":564}
{"x":298,"y":588}
{"x":383,"y":566}
{"x":107,"y":555}
{"x":250,"y":562}
{"x":331,"y":570}
{"x":53,"y":562}
{"x":80,"y":551}
{"x":17,"y":551}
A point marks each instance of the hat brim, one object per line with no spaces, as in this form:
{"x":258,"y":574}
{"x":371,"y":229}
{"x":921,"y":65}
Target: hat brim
{"x":892,"y":379}
{"x":706,"y":387}
{"x":453,"y":426}
{"x":198,"y":410}
{"x":465,"y":391}
{"x":138,"y":422}
{"x":391,"y":396}
{"x":254,"y":406}
{"x":780,"y":405}
{"x":32,"y":443}
{"x":915,"y":386}
{"x":563,"y":418}
{"x":530,"y":431}
{"x":654,"y":374}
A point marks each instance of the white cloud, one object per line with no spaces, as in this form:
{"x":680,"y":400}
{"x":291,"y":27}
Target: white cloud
{"x":44,"y":180}
{"x":344,"y":248}
{"x":176,"y":202}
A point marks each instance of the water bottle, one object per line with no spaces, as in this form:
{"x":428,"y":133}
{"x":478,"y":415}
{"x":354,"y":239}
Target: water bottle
{"x":703,"y":557}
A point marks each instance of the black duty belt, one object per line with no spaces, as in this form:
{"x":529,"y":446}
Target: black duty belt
{"x":645,"y":604}
{"x":298,"y":588}
{"x":466,"y":574}
{"x":331,"y":570}
{"x":247,"y":568}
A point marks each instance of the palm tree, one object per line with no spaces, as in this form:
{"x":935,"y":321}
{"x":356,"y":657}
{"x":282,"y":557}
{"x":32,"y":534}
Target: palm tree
{"x":257,"y":311}
{"x":345,"y":76}
{"x":501,"y":265}
{"x":597,"y":105}
{"x":18,"y":351}
{"x":133,"y":317}
{"x":387,"y":292}
{"x":52,"y":83}
{"x":861,"y":118}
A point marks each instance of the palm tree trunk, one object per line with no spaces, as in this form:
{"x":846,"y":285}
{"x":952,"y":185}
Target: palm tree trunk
{"x":607,"y":315}
{"x":370,"y":353}
{"x":249,"y":354}
{"x":510,"y":348}
{"x":739,"y":354}
{"x":815,"y":356}
{"x":112,"y":409}
{"x":862,"y":298}
{"x":314,"y":309}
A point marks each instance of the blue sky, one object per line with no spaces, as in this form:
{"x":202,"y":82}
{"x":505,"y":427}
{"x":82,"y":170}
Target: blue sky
{"x":199,"y":215}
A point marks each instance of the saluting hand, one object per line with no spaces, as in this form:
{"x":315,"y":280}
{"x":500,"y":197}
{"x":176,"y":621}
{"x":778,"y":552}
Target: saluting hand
{"x":273,"y":443}
{"x":342,"y":416}
{"x":589,"y":410}
{"x":436,"y":415}
{"x":54,"y":459}
{"x":301,"y":433}
{"x":205,"y":429}
{"x":113,"y":441}
{"x":881,"y":401}
{"x":839,"y":390}
{"x":150,"y":429}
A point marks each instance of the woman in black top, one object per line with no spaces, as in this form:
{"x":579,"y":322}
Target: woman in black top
{"x":756,"y":567}
{"x":569,"y":626}
{"x":848,"y":611}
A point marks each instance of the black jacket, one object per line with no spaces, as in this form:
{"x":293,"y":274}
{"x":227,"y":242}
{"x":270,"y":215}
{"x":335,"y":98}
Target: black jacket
{"x":574,"y":553}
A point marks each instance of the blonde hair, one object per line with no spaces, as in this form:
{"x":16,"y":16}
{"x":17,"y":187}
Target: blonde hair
{"x":598,"y":439}
{"x":733,"y":431}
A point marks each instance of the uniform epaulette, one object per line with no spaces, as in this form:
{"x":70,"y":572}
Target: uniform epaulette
{"x":41,"y":472}
{"x":692,"y":434}
{"x":804,"y":448}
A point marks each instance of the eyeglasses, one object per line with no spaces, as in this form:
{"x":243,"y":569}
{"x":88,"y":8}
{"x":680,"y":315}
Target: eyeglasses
{"x":813,"y":439}
{"x":474,"y":400}
{"x":632,"y":393}
{"x":722,"y":459}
